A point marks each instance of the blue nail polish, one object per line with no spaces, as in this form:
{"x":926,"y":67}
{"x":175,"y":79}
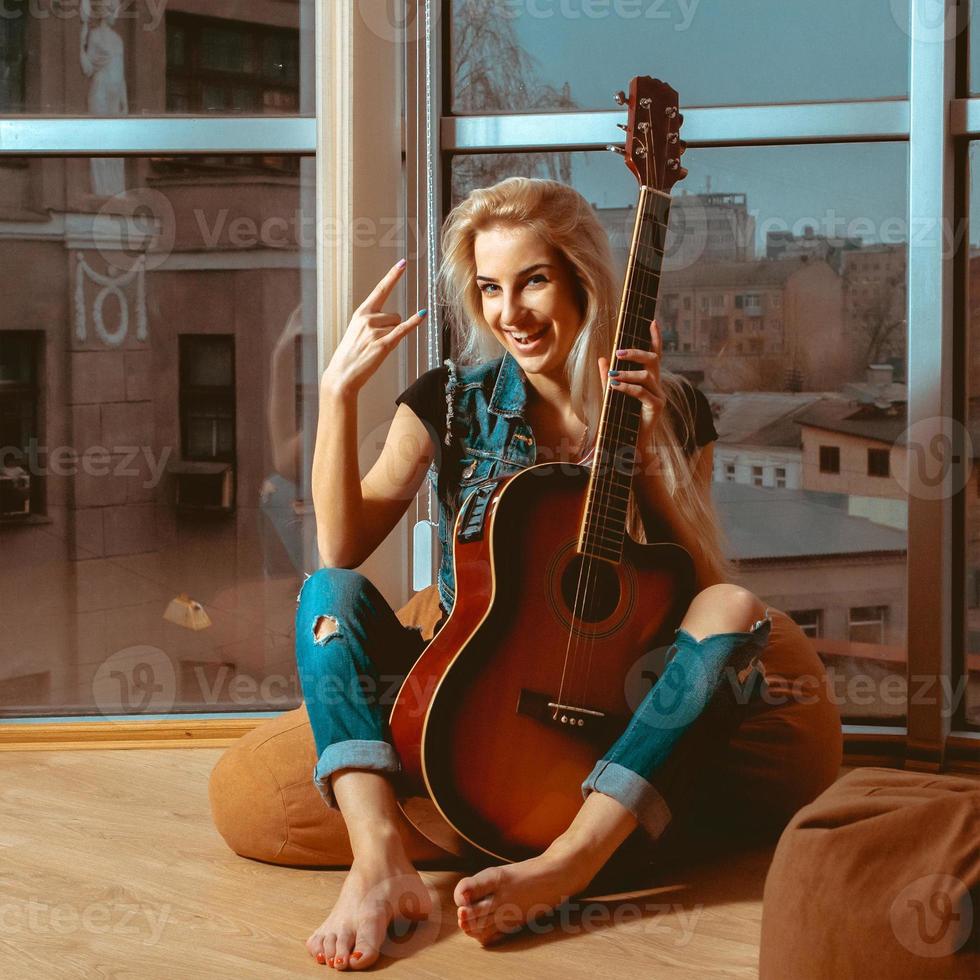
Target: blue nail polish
{"x":613,"y":381}
{"x":612,"y":374}
{"x":423,"y":311}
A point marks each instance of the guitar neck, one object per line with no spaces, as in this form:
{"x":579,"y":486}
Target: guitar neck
{"x":604,"y":521}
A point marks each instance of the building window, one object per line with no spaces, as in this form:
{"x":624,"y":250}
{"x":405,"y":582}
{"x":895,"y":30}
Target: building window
{"x":687,"y":302}
{"x":780,"y":476}
{"x":13,"y":17}
{"x":810,"y":621}
{"x":21,"y":489}
{"x":757,"y":476}
{"x":830,"y":459}
{"x":717,"y":301}
{"x":738,"y":326}
{"x":207,"y":397}
{"x":225,"y":66}
{"x":866,"y":624}
{"x":878,"y":462}
{"x":730,"y":472}
{"x":738,"y":301}
{"x":687,"y":347}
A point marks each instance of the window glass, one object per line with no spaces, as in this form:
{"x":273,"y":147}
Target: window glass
{"x":157,"y":407}
{"x":114,"y":58}
{"x":806,"y":247}
{"x":524,"y":55}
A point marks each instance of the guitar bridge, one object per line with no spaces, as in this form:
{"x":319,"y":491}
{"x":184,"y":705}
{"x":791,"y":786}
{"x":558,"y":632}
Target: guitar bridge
{"x":551,"y":712}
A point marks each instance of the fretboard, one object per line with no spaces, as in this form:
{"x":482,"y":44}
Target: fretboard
{"x":604,"y":522}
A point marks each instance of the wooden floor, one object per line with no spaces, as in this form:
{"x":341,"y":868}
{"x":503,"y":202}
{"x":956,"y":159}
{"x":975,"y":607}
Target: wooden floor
{"x":110,"y":867}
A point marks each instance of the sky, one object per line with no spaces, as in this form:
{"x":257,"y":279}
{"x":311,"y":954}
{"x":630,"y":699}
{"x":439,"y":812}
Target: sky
{"x":717,"y":52}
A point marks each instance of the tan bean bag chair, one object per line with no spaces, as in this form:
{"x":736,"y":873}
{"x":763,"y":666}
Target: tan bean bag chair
{"x":877,"y":877}
{"x":786,"y":751}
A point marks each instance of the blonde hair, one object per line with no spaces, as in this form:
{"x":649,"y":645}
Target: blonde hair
{"x":563,"y":219}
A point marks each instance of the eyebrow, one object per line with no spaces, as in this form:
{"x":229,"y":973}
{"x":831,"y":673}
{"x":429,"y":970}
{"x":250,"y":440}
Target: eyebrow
{"x":523,"y":272}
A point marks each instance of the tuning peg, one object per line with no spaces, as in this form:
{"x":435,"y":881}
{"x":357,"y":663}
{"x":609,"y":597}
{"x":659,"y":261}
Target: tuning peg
{"x":681,"y":147}
{"x":680,"y":119}
{"x":616,"y":149}
{"x":623,"y":127}
{"x":620,"y":98}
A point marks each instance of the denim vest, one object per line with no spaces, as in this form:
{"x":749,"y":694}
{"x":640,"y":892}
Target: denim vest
{"x":488,"y":436}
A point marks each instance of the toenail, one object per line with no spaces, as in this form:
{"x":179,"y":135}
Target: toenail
{"x":356,"y":956}
{"x":320,"y":958}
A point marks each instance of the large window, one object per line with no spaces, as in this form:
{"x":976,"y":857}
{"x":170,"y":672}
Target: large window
{"x":519,"y":55}
{"x":158,"y":359}
{"x":749,"y":240}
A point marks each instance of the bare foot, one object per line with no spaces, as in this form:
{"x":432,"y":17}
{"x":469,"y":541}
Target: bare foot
{"x":500,"y":900}
{"x":378,"y":889}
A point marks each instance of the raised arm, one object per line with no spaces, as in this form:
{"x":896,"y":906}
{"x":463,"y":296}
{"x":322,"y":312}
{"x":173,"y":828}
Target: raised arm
{"x":353,"y":516}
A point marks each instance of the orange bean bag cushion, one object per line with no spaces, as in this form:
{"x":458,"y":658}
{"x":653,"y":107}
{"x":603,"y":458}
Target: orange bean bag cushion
{"x":787,"y":749}
{"x":877,"y":877}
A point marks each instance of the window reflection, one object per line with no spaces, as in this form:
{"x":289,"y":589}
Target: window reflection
{"x":110,"y":57}
{"x":157,"y":378}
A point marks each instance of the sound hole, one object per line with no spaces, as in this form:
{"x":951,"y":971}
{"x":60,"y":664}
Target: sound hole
{"x":590,"y":588}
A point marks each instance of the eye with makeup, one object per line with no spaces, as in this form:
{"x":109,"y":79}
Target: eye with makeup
{"x":492,"y":285}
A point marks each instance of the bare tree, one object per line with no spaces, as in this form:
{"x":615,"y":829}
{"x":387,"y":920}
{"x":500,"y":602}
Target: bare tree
{"x":879,"y":320}
{"x":493,"y":73}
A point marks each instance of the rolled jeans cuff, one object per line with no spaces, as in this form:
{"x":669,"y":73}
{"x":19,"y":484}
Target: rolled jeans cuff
{"x":354,"y":753}
{"x":635,"y":793}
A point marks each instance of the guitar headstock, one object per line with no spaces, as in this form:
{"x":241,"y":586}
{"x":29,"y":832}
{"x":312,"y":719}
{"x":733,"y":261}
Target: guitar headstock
{"x":653,"y":144}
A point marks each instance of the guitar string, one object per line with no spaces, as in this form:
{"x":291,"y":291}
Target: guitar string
{"x":643,"y":276}
{"x":598,"y":483}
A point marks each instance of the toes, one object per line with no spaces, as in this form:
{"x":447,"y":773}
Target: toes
{"x":469,"y":890}
{"x":341,"y":956}
{"x":321,"y":946}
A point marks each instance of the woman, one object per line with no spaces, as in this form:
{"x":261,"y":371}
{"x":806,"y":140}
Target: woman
{"x":527,"y":270}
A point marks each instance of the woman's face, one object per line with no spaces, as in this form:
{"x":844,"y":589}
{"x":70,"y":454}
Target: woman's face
{"x":528,"y":288}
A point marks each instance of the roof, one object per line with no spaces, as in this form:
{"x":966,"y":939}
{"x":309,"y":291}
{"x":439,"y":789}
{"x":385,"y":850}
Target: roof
{"x":760,"y":418}
{"x":769,"y":523}
{"x":838,"y":415}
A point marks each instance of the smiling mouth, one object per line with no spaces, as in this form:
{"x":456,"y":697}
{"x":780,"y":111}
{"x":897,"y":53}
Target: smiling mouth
{"x":530,"y":339}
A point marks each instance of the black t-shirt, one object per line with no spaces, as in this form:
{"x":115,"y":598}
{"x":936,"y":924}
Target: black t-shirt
{"x":426,"y":396}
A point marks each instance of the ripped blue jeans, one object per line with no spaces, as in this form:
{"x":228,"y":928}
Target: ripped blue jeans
{"x":353,"y":654}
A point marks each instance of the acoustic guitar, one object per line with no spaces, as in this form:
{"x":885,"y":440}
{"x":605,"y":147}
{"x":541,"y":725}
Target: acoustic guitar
{"x":526,"y":684}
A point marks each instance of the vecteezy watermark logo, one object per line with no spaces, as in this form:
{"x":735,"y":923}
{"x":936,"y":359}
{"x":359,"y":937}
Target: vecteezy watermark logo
{"x":679,"y":12}
{"x":928,"y":20}
{"x":933,"y":915}
{"x":137,"y":680}
{"x":96,"y":918}
{"x":150,"y":12}
{"x":939,"y":451}
{"x":397,"y":21}
{"x":136,"y":225}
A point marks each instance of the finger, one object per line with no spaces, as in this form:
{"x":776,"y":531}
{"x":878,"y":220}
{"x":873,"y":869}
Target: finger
{"x":407,"y":327}
{"x":635,"y":354}
{"x":382,"y":320}
{"x":638,"y":391}
{"x":379,"y":295}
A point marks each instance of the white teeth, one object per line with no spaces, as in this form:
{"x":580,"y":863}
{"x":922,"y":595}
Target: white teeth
{"x":525,"y":336}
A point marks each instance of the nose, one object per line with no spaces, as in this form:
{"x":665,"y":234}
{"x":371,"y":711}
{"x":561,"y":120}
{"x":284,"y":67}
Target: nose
{"x":513,"y":311}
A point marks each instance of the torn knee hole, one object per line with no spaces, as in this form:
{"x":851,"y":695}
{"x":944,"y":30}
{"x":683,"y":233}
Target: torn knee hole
{"x":323,"y":628}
